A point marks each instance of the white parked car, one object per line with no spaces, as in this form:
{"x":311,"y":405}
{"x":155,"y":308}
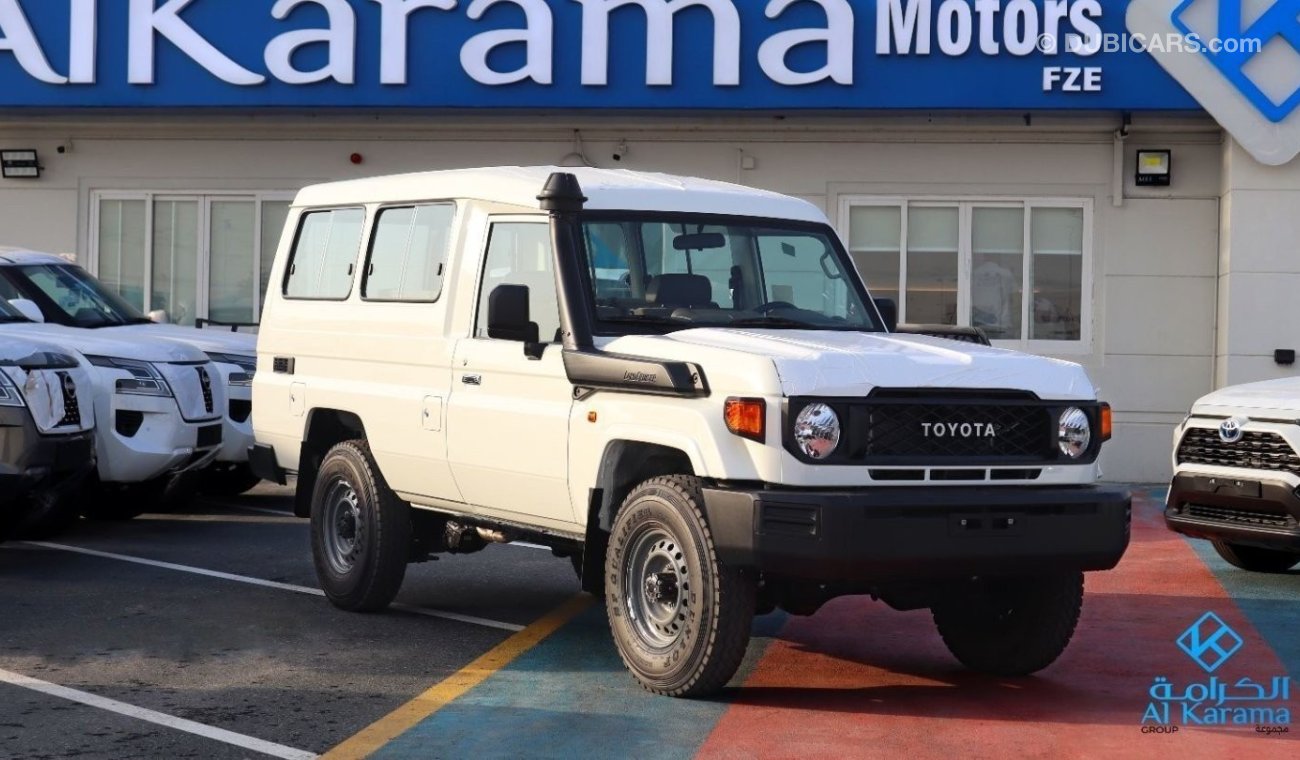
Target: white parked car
{"x":51,"y":289}
{"x":158,"y":404}
{"x":684,"y":386}
{"x":1237,"y":475}
{"x":47,"y":445}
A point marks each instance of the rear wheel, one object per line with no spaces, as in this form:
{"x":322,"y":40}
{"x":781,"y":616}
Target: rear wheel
{"x":1257,"y":559}
{"x":680,"y":618}
{"x":1011,"y":626}
{"x":360,"y":531}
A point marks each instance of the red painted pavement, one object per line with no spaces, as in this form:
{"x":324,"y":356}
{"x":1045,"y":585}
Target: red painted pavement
{"x":860,"y":680}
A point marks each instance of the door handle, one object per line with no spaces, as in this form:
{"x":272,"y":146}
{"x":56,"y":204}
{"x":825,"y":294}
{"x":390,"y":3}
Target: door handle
{"x":471,"y":379}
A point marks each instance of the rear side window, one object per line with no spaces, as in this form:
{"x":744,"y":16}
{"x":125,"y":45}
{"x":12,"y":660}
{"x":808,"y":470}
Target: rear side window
{"x":325,"y":255}
{"x":408,"y":253}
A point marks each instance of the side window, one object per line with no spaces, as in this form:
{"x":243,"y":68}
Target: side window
{"x":519,"y":253}
{"x":325,"y":255}
{"x":408,"y":253}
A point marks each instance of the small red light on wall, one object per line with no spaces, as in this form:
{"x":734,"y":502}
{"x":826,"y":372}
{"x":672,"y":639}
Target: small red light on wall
{"x":357,"y":159}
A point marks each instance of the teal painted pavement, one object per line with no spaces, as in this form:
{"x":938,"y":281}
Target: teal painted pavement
{"x":570,"y":697}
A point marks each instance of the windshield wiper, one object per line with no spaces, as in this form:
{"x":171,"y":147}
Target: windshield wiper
{"x":650,"y":319}
{"x":7,"y":320}
{"x":775,"y":322}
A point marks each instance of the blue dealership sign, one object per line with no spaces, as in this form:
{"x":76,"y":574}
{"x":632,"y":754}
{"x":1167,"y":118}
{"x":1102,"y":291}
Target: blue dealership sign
{"x":579,"y":54}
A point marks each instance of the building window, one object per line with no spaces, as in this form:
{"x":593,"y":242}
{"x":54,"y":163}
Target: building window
{"x":193,"y":256}
{"x":971,"y":263}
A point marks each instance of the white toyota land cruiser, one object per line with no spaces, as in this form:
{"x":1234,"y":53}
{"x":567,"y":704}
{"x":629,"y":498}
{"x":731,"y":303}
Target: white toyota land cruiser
{"x":681,"y":384}
{"x":1237,"y":475}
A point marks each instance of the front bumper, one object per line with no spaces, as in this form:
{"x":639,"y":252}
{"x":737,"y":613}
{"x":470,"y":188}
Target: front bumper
{"x":904,"y":534}
{"x":141,"y":438}
{"x":1251,"y":511}
{"x":237,"y":425}
{"x":30,"y":461}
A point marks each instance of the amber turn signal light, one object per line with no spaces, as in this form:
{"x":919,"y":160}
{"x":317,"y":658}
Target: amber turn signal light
{"x":747,"y":417}
{"x":1105,"y":422}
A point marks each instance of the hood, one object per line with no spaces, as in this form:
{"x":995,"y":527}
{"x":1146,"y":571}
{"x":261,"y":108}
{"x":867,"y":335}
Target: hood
{"x":215,"y":341}
{"x":826,"y":363}
{"x":15,"y":348}
{"x":104,"y":343}
{"x":1283,"y":394}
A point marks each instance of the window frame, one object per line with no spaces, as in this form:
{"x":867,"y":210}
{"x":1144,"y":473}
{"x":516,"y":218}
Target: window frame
{"x":371,"y":233}
{"x":297,"y":236}
{"x":480,"y":275}
{"x":203,"y":199}
{"x":965,"y":241}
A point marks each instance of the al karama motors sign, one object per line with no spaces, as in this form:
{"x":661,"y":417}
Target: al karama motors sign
{"x":1235,"y":58}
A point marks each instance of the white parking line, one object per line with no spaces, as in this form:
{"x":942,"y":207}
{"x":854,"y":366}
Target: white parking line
{"x":161,"y":719}
{"x":271,"y":584}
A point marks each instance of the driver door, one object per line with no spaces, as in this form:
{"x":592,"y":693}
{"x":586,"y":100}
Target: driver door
{"x":508,"y":414}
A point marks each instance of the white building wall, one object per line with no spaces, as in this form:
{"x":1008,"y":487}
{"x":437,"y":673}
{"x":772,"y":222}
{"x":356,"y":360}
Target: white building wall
{"x":1155,"y":257}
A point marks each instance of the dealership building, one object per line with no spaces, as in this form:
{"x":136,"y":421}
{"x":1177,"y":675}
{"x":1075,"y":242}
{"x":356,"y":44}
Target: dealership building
{"x":1107,"y":183}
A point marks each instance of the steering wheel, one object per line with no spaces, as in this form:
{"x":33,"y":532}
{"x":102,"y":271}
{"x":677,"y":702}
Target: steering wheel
{"x":771,"y":306}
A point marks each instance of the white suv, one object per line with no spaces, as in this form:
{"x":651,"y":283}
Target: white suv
{"x":157,"y":402}
{"x":52,"y":289}
{"x":1237,"y":475}
{"x":47,"y":445}
{"x":684,"y":386}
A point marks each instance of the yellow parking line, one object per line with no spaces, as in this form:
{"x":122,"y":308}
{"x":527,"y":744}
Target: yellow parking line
{"x":394,"y":724}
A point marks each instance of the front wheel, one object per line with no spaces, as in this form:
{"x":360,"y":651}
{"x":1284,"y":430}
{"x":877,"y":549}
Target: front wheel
{"x":228,"y":479}
{"x":1011,"y":626}
{"x":360,"y":531}
{"x":127,"y":501}
{"x":51,"y":512}
{"x":680,"y":618}
{"x":1257,"y":559}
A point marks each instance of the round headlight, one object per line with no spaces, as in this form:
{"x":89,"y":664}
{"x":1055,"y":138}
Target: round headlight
{"x":1075,"y":433}
{"x":817,"y":431}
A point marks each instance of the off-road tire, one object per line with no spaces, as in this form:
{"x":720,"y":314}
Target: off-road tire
{"x":228,"y":479}
{"x":1257,"y":559}
{"x":715,"y":602}
{"x":1012,"y":626}
{"x":382,"y":532}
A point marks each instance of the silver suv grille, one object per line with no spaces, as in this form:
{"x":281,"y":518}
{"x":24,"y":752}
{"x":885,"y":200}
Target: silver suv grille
{"x":1255,"y":451}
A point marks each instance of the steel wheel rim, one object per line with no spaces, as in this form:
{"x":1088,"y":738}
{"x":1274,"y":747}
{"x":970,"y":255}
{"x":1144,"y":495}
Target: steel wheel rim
{"x":344,"y":529}
{"x":656,"y":596}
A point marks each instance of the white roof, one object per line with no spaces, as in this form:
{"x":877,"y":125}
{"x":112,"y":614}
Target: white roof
{"x":606,"y":189}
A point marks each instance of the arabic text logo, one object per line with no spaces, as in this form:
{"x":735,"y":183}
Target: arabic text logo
{"x":1209,"y":642}
{"x":1268,"y":74}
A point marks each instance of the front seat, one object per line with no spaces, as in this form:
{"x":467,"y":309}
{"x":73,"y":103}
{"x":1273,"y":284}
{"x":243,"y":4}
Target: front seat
{"x":690,"y":291}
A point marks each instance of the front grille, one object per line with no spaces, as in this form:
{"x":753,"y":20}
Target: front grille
{"x":927,"y":432}
{"x":1255,"y":451}
{"x":209,"y":435}
{"x":71,"y":406}
{"x":1242,"y":517}
{"x":205,"y":383}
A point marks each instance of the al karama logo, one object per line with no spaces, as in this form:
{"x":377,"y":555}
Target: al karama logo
{"x":1210,"y":642}
{"x":1253,"y":90}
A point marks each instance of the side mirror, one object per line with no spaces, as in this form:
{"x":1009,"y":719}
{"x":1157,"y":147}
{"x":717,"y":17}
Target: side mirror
{"x":159,"y":316}
{"x":508,"y":318}
{"x":28,"y":308}
{"x":888,"y":309}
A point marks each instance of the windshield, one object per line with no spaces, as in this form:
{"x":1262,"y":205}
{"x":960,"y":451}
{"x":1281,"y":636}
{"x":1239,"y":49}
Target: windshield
{"x":685,"y":271}
{"x":68,"y":295}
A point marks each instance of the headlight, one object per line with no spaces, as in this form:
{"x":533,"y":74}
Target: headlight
{"x":817,"y":431}
{"x":9,"y":395}
{"x":248,"y":365}
{"x":1075,"y":433}
{"x":144,"y":380}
